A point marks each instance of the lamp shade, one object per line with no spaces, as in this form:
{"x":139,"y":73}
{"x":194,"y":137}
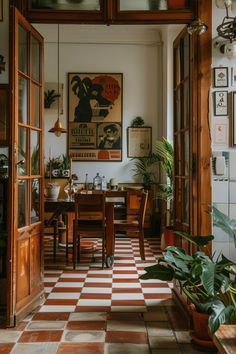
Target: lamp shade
{"x":57,"y":129}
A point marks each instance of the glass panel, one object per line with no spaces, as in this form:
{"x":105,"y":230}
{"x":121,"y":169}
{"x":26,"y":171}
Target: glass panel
{"x":4,"y":119}
{"x":186,"y":56}
{"x":177,"y":66}
{"x":22,"y":203}
{"x":35,"y":105}
{"x":35,"y":60}
{"x":22,"y":108}
{"x":22,"y":152}
{"x":35,"y":206}
{"x":186,"y":153}
{"x":177,"y":110}
{"x":186,"y":202}
{"x":186,"y":105}
{"x":79,"y":5}
{"x":34,"y":153}
{"x":23,"y":50}
{"x":178,"y":196}
{"x":152,"y":5}
{"x":177,"y":156}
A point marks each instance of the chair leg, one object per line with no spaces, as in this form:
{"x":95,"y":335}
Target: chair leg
{"x":141,"y":245}
{"x":67,"y":238}
{"x":74,"y":246}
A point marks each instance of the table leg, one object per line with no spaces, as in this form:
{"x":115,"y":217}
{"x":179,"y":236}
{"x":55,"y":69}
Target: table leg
{"x":110,"y":234}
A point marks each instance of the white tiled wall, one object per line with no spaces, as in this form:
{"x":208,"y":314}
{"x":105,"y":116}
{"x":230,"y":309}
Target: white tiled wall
{"x":224,"y":198}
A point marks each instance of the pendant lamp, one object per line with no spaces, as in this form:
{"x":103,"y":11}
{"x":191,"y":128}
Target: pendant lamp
{"x":58,"y":129}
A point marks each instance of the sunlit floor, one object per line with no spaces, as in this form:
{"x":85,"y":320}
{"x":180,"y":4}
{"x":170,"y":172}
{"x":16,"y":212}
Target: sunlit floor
{"x":92,"y":310}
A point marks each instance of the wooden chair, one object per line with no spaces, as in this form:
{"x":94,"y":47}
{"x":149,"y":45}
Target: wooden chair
{"x":135,"y":224}
{"x":89,"y":221}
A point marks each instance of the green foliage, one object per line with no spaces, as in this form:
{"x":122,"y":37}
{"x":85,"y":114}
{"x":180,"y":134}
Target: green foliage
{"x":80,"y":87}
{"x":137,"y":122}
{"x":35,"y":160}
{"x":65,"y":162}
{"x":50,"y":97}
{"x":209,"y":284}
{"x":226,"y":224}
{"x":143,"y":168}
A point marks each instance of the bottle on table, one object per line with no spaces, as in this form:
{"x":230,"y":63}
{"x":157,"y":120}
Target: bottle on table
{"x":104,"y":183}
{"x":97,"y":182}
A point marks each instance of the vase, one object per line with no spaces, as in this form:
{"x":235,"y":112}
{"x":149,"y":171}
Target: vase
{"x":52,"y":191}
{"x":158,"y":5}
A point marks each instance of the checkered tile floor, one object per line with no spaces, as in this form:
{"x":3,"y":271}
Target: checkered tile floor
{"x":92,"y":310}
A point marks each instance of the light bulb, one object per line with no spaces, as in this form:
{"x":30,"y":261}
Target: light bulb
{"x":57,"y":133}
{"x":230,"y":50}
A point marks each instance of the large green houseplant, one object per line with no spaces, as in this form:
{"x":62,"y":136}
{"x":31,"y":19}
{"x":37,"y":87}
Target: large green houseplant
{"x":207,"y":283}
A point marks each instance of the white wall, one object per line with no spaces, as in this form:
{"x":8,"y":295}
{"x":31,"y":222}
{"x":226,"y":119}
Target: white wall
{"x":223,"y":185}
{"x":134,"y":51}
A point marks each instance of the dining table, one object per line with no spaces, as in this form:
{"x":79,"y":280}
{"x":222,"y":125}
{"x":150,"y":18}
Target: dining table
{"x":113,"y":199}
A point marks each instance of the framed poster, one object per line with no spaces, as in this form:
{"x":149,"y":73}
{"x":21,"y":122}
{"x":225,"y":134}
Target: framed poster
{"x":139,"y":141}
{"x":95,"y":116}
{"x":234,"y":119}
{"x":220,"y":103}
{"x":220,"y":131}
{"x":220,"y":76}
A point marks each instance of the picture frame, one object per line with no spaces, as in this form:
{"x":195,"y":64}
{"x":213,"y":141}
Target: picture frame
{"x":220,"y":103}
{"x":233,"y":77}
{"x":220,"y":131}
{"x":4,"y":113}
{"x":139,"y":141}
{"x":221,"y":76}
{"x":95,"y":116}
{"x":233,"y":137}
{"x":1,"y":10}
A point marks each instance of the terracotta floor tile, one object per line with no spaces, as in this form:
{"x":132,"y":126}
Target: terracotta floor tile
{"x":126,"y":337}
{"x":92,"y":308}
{"x":66,"y":290}
{"x":87,"y":325}
{"x":153,"y":285}
{"x":95,"y":296}
{"x":98,"y":285}
{"x":157,"y":296}
{"x":127,"y":303}
{"x":124,"y":280}
{"x":124,"y":272}
{"x":125,"y":316}
{"x":82,"y":348}
{"x":40,"y":336}
{"x":51,"y":316}
{"x":71,"y":280}
{"x":61,"y":302}
{"x":89,"y":275}
{"x":126,"y":290}
{"x":5,"y":348}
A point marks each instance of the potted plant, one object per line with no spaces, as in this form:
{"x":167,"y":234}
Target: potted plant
{"x":143,"y":168}
{"x":65,"y":165}
{"x":208,"y":284}
{"x":164,"y":154}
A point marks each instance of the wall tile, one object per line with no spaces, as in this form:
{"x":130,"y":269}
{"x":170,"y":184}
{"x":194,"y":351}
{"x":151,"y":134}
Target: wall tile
{"x":220,"y":191}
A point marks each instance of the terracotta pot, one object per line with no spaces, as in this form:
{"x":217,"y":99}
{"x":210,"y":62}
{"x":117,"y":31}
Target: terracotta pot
{"x":176,"y":4}
{"x":167,"y":238}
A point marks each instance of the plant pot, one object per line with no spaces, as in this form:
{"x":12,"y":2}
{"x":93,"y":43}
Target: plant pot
{"x":167,"y":238}
{"x":176,"y":4}
{"x":52,"y":191}
{"x":158,"y":5}
{"x":200,"y":335}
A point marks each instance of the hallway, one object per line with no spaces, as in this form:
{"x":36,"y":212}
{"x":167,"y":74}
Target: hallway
{"x":95,"y":311}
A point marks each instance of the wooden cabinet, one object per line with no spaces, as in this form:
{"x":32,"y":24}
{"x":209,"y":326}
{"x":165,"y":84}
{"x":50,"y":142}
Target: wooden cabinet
{"x":110,"y":11}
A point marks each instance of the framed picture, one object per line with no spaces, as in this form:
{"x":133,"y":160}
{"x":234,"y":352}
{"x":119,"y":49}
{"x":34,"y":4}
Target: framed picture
{"x":233,"y":77}
{"x":95,"y":116}
{"x":4,"y":113}
{"x":1,"y":10}
{"x":220,"y":131}
{"x":220,"y":103}
{"x":234,"y":119}
{"x":139,"y":141}
{"x":50,"y":89}
{"x":220,"y":76}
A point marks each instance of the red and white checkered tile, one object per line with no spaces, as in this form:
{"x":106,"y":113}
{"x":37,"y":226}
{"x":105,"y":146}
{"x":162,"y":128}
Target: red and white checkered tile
{"x":94,"y":310}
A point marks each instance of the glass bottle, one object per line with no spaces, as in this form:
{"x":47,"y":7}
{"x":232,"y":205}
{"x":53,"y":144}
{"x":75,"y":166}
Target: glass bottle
{"x":86,"y":185}
{"x":97,"y":182}
{"x":104,"y":183}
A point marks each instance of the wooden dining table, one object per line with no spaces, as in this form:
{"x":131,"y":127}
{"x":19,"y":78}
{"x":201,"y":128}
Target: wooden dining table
{"x":63,"y":206}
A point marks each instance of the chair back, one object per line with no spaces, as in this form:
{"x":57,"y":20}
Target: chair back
{"x":90,"y":207}
{"x":136,"y":205}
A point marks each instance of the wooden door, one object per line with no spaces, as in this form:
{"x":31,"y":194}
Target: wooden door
{"x":26,"y":80}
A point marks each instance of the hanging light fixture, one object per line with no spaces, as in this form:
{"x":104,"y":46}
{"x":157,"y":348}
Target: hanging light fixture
{"x":197,"y":26}
{"x":58,"y":129}
{"x":227,"y":29}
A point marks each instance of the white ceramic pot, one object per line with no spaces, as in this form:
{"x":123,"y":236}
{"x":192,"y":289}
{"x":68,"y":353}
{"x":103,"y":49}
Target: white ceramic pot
{"x":52,"y":191}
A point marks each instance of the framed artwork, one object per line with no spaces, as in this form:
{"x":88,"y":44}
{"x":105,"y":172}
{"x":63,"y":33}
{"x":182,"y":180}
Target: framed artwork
{"x":1,"y":10}
{"x":234,"y":119}
{"x":220,"y":76}
{"x":233,"y":77}
{"x":51,"y":88}
{"x":95,"y":116}
{"x":220,"y":103}
{"x":139,"y":141}
{"x":220,"y":131}
{"x":4,"y":112}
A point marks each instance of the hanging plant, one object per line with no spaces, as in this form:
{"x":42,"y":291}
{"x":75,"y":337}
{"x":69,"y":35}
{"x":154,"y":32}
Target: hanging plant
{"x":50,"y":97}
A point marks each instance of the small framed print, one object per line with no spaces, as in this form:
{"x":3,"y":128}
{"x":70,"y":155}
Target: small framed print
{"x":221,"y":103}
{"x":234,"y":119}
{"x":139,"y":141}
{"x":233,"y":77}
{"x":220,"y":131}
{"x":220,"y":76}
